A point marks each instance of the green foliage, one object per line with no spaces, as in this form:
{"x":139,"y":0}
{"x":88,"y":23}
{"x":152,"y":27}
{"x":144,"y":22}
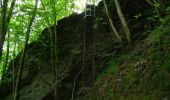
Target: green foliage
{"x":154,"y":36}
{"x":23,"y":10}
{"x":112,"y":70}
{"x":157,"y":5}
{"x":113,"y":67}
{"x":166,"y":65}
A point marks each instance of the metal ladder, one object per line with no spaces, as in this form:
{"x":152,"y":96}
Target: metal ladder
{"x":88,"y":54}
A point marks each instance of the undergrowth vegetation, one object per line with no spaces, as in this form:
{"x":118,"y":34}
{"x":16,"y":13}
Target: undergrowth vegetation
{"x":141,"y":74}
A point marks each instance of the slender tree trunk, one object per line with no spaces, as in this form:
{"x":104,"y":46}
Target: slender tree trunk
{"x":10,"y":12}
{"x":5,"y":22}
{"x":54,"y":47}
{"x":8,"y":38}
{"x":0,"y":3}
{"x":4,"y":68}
{"x":2,"y":39}
{"x":111,"y":22}
{"x":53,"y":43}
{"x":13,"y":69}
{"x":7,"y":55}
{"x":18,"y":81}
{"x":160,"y":9}
{"x":149,"y":2}
{"x":3,"y":25}
{"x":123,"y":20}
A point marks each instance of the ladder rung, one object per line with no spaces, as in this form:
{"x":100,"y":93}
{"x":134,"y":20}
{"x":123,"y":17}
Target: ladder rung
{"x":88,"y":74}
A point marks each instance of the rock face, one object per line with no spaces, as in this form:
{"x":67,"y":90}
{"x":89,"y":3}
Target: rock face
{"x":38,"y":75}
{"x":38,"y":80}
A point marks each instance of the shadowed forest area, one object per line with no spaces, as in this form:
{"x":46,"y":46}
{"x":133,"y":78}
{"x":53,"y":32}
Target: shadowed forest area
{"x":84,"y":49}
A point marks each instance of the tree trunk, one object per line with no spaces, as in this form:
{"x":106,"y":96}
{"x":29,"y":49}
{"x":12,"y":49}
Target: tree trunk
{"x":5,"y":22}
{"x":53,"y":44}
{"x":123,"y":21}
{"x":7,"y":56}
{"x":150,"y":2}
{"x":111,"y":22}
{"x":2,"y":39}
{"x":3,"y":25}
{"x":18,"y":81}
{"x":54,"y":53}
{"x":13,"y":68}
